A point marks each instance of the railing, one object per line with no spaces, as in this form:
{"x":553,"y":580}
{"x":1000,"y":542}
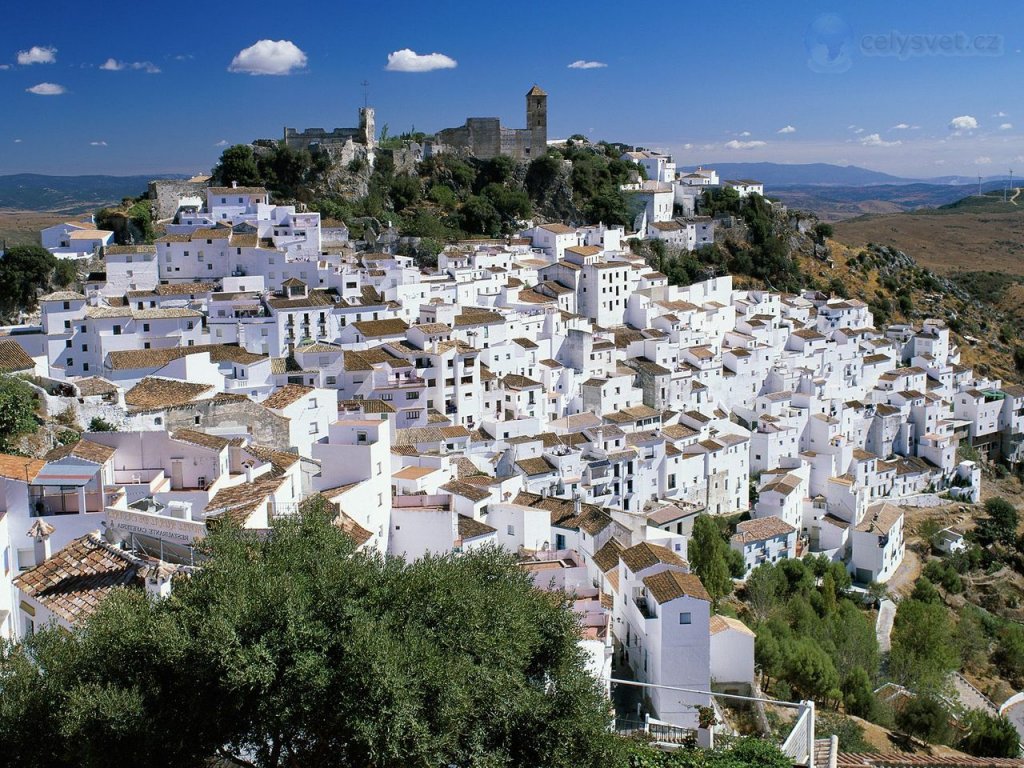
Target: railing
{"x":799,"y":745}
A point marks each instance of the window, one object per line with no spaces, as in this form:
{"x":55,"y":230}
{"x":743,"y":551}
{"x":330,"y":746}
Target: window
{"x":332,"y":380}
{"x":67,"y":305}
{"x":67,"y":325}
{"x":158,"y":420}
{"x":85,"y":347}
{"x":117,"y":330}
{"x":385,"y":396}
{"x":314,"y":428}
{"x":67,"y":344}
{"x":312,"y":402}
{"x":145,"y":327}
{"x":85,"y":366}
{"x":684,"y":617}
{"x":197,"y":420}
{"x":511,"y":530}
{"x":360,"y":438}
{"x":379,"y":469}
{"x":412,"y":395}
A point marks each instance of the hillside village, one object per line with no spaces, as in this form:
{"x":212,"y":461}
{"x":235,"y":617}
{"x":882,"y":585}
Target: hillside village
{"x":548,"y":393}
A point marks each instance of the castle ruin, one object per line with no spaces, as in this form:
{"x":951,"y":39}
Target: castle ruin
{"x":485,"y":138}
{"x":338,"y":138}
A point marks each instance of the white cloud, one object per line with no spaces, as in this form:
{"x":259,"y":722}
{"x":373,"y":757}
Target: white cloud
{"x":5,"y":66}
{"x":1005,"y":126}
{"x":17,"y":141}
{"x":269,"y":57}
{"x":1000,"y":113}
{"x":855,"y":128}
{"x":963,"y":123}
{"x":407,"y":60}
{"x":97,"y":143}
{"x":47,"y":89}
{"x":113,"y":65}
{"x":221,"y":143}
{"x":583,"y":64}
{"x":744,"y":134}
{"x":734,"y":144}
{"x":38,"y":54}
{"x":184,"y":57}
{"x":688,"y":146}
{"x":875,"y":140}
{"x":983,"y":160}
{"x":786,"y":129}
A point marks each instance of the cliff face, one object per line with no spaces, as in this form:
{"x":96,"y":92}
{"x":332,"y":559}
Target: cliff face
{"x":553,"y":198}
{"x":348,"y":174}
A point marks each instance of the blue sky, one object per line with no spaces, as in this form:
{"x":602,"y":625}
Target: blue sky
{"x":138,"y":88}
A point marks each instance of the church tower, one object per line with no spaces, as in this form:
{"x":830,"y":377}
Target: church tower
{"x":537,"y":121}
{"x":367,"y":127}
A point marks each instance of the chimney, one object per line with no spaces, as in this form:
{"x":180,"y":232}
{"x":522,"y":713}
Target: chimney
{"x":40,"y":535}
{"x":248,"y":472}
{"x":234,"y":185}
{"x":158,"y":580}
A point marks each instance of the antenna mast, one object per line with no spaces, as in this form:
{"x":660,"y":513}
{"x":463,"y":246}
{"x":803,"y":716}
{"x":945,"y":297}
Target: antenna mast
{"x":366,"y":92}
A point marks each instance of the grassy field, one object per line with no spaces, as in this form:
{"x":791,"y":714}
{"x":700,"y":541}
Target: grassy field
{"x":976,"y":234}
{"x":22,"y":227}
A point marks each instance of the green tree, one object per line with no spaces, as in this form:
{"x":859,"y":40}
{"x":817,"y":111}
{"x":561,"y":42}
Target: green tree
{"x":237,"y":164}
{"x":989,"y":736}
{"x":294,"y":649}
{"x":810,"y":670}
{"x":65,"y":272}
{"x":925,"y":591}
{"x":25,"y":270}
{"x":99,"y":424}
{"x":923,"y":651}
{"x":708,"y":557}
{"x":17,"y":411}
{"x":1000,"y":523}
{"x":925,"y":717}
{"x":762,"y":591}
{"x":859,"y":694}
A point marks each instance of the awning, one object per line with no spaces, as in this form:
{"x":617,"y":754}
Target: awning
{"x":65,"y":475}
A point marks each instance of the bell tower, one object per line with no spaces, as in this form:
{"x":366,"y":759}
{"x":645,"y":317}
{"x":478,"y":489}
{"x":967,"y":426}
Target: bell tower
{"x":537,"y":120}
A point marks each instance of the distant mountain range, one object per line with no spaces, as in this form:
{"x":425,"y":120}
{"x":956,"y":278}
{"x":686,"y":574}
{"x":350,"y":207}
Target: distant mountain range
{"x":70,"y":194}
{"x":826,"y":174}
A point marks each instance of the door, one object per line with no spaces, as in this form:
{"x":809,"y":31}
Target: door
{"x":176,"y":475}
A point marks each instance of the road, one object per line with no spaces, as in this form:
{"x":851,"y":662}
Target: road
{"x":883,"y":626}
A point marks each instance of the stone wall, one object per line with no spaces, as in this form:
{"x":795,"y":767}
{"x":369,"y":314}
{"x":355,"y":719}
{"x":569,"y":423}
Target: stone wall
{"x":164,"y":195}
{"x":232,"y":415}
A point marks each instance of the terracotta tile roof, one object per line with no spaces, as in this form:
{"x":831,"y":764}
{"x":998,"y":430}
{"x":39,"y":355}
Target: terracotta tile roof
{"x":83,"y":449}
{"x":352,"y":529}
{"x":153,"y":393}
{"x":901,"y":760}
{"x":14,"y":359}
{"x":134,"y":359}
{"x":279,"y":460}
{"x":669,"y":585}
{"x":472,"y":316}
{"x":202,"y":439}
{"x":239,"y":502}
{"x":761,"y":529}
{"x":286,"y":395}
{"x":466,"y":490}
{"x":536,"y":466}
{"x":515,"y":381}
{"x":471,"y":529}
{"x":73,"y":582}
{"x":722,"y":623}
{"x":184,"y":289}
{"x":880,"y":518}
{"x":372,"y":329}
{"x":19,"y":467}
{"x":63,"y":296}
{"x":92,"y":386}
{"x":645,"y":555}
{"x":607,"y":557}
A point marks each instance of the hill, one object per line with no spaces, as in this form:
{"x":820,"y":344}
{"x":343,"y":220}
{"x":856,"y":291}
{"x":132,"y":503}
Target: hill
{"x":836,"y":203}
{"x":971,"y":234}
{"x":69,"y":195}
{"x":777,"y":174}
